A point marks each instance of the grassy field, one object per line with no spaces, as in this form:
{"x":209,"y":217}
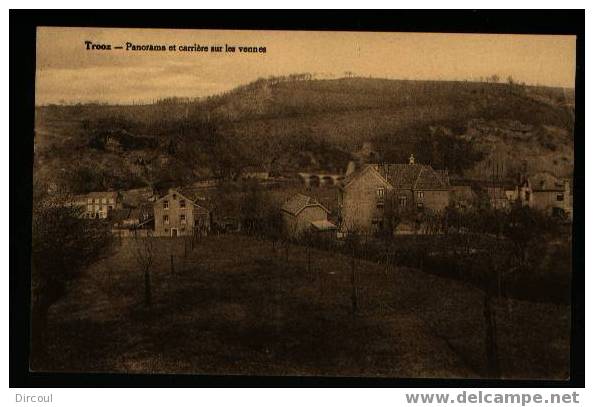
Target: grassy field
{"x":234,"y":305}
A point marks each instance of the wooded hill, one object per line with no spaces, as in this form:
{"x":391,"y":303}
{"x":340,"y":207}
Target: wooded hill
{"x":296,"y":123}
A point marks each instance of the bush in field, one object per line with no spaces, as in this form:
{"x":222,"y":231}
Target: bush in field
{"x":63,"y":246}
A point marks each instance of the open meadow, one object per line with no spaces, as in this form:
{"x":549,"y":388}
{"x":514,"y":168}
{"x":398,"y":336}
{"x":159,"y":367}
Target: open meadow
{"x":233,"y":304}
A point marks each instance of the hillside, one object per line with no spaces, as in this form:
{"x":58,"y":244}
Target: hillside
{"x":289,"y":125}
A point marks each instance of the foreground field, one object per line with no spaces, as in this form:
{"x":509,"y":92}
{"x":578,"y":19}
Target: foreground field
{"x":233,"y":305}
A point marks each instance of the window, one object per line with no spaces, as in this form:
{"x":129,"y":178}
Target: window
{"x":420,"y":194}
{"x":560,"y":197}
{"x":110,"y":207}
{"x":104,"y":200}
{"x":402,"y":200}
{"x":174,"y":197}
{"x":420,"y":205}
{"x":89,"y":200}
{"x":166,"y":219}
{"x":90,"y":208}
{"x":380,"y":193}
{"x":111,"y":201}
{"x":182,"y":203}
{"x":96,"y":200}
{"x":182,"y":219}
{"x":165,"y":204}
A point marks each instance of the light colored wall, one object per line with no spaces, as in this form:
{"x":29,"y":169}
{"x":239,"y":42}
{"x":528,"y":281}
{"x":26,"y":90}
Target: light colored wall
{"x":359,"y":203}
{"x":295,"y":225}
{"x":98,"y":209}
{"x":174,"y":212}
{"x":547,"y":200}
{"x":434,"y":200}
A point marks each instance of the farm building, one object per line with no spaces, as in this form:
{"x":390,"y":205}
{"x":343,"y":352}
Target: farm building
{"x":98,"y":205}
{"x":551,"y":194}
{"x":302,"y":213}
{"x":371,"y":195}
{"x":177,"y":215}
{"x":133,"y":221}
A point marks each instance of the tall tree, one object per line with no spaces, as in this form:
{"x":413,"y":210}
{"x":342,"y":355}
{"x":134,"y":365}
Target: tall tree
{"x":63,"y":246}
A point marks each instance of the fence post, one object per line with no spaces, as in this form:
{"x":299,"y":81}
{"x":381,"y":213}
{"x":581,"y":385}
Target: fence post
{"x":353,"y":286}
{"x":172,"y":269}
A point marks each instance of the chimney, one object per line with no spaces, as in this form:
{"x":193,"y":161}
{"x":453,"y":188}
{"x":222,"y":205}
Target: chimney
{"x":411,"y":159}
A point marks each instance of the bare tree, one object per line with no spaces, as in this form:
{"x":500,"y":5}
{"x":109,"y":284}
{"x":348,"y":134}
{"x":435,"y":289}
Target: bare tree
{"x":352,"y":245}
{"x":144,"y":254}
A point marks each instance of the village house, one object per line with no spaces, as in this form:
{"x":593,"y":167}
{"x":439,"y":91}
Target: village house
{"x":177,"y":215}
{"x":302,"y":214}
{"x":550,"y":194}
{"x":97,"y":205}
{"x":377,"y":192}
{"x":520,"y":193}
{"x":133,"y":221}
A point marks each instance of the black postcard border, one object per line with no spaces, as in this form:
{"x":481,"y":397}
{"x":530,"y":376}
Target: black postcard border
{"x":22,"y":88}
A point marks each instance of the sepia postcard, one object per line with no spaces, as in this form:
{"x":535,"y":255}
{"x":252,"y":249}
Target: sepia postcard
{"x":302,"y":203}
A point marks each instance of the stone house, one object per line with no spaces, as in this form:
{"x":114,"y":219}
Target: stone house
{"x":98,"y":205}
{"x":177,"y":215}
{"x":550,"y":194}
{"x":370,"y":197}
{"x":302,"y":213}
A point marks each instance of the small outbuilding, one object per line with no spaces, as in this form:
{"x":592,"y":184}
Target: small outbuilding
{"x":302,"y":213}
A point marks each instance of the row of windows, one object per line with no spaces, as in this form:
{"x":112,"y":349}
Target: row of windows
{"x":97,"y":208}
{"x":381,"y":192}
{"x":182,"y":219}
{"x":102,"y":200}
{"x":182,"y":229}
{"x":182,"y":203}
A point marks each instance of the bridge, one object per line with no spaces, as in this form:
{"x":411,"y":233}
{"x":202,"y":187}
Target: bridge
{"x":315,"y":179}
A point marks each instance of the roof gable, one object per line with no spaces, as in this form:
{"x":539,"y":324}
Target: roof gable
{"x":367,"y":169}
{"x":175,"y":191}
{"x":298,"y":202}
{"x":545,"y":181}
{"x":407,"y":176}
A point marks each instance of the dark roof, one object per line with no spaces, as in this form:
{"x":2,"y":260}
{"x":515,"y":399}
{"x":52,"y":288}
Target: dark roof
{"x":118,"y":215}
{"x":545,"y":181}
{"x":413,"y":176}
{"x":178,"y":191}
{"x":298,"y":202}
{"x":142,"y":212}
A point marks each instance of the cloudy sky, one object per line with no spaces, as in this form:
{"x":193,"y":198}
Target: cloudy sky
{"x":67,"y":71}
